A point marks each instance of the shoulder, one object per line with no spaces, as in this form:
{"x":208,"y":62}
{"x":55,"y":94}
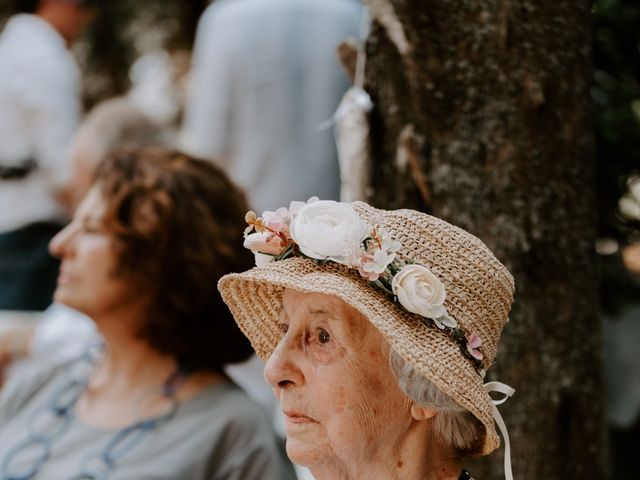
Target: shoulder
{"x":26,"y":384}
{"x":239,"y":440}
{"x":219,"y":12}
{"x":245,"y":9}
{"x":29,"y":37}
{"x":235,"y":22}
{"x":32,"y":52}
{"x":233,"y":414}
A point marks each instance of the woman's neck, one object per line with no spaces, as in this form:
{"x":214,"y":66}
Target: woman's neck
{"x":413,"y":457}
{"x":126,"y":382}
{"x":130,"y":364}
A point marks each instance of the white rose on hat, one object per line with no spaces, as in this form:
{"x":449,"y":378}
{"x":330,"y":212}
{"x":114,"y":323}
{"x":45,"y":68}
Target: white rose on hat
{"x":420,"y":291}
{"x":328,"y":230}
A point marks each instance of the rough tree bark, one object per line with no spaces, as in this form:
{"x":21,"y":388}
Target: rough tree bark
{"x":482,"y":118}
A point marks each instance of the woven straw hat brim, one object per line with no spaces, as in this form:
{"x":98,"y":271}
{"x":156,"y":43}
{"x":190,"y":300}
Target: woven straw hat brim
{"x":254,"y":298}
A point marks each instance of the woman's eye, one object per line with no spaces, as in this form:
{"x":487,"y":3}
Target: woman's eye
{"x":323,"y":336}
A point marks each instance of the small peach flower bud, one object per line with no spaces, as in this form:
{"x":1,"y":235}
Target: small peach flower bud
{"x":264,"y":243}
{"x":250,"y":217}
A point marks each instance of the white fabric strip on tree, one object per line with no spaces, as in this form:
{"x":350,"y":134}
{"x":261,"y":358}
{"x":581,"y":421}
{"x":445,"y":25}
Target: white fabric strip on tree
{"x":351,"y":130}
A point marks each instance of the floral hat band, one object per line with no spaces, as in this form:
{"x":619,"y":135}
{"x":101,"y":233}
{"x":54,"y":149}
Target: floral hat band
{"x":329,"y":231}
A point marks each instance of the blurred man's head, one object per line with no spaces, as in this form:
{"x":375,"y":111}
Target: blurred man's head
{"x":112,"y":124}
{"x":69,"y":17}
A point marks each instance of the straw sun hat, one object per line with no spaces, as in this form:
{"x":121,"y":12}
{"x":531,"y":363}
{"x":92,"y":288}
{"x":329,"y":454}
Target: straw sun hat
{"x":479,"y":293}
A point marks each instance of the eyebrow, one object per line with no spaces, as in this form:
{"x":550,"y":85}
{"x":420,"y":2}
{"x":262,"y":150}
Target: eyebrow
{"x":311,"y":310}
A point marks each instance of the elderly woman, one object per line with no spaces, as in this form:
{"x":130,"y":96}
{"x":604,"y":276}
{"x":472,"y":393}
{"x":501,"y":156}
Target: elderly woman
{"x":377,"y":327}
{"x":141,"y":258}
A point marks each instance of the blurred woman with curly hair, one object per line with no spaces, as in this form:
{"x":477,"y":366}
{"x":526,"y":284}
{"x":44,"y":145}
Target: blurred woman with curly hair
{"x":142,"y":257}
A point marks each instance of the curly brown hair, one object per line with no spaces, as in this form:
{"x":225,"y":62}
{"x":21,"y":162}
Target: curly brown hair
{"x":177,"y":223}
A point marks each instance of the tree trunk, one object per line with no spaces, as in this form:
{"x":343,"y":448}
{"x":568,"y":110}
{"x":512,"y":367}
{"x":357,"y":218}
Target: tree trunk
{"x":482,"y":118}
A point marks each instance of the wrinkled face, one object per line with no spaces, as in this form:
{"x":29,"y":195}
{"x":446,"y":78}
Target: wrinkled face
{"x":87,"y":281}
{"x":331,"y":375}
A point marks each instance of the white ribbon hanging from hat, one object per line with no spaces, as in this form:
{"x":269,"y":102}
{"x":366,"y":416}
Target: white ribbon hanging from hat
{"x":507,"y":391}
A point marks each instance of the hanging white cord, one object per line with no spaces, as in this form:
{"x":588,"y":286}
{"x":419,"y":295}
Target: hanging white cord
{"x":361,"y":60}
{"x":507,"y":391}
{"x":360,"y":97}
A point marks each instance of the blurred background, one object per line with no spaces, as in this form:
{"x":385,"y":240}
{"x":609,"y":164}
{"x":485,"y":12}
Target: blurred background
{"x":126,"y":31}
{"x":615,"y":93}
{"x":144,"y":47}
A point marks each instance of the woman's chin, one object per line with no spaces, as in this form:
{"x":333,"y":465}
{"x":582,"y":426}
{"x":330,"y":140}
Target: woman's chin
{"x":63,"y":297}
{"x":305,"y":454}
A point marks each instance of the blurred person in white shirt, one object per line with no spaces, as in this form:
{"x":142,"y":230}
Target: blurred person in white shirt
{"x":61,"y":333}
{"x":265,"y":77}
{"x":39,"y":110}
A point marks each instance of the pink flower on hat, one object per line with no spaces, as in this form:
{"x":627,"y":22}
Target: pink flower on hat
{"x":375,"y":264}
{"x":278,"y":221}
{"x":473,"y":344}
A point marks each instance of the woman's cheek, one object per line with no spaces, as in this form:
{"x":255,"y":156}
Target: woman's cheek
{"x":322,"y":354}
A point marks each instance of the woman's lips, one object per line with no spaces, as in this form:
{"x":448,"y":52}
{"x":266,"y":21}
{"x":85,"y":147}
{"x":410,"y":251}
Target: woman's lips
{"x":298,"y":418}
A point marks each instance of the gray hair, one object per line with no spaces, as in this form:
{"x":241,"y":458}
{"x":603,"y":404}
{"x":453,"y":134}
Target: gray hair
{"x":452,"y":425}
{"x":112,"y":124}
{"x":116,"y":123}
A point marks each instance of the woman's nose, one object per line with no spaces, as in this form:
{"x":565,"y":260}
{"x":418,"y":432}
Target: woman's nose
{"x":59,"y":245}
{"x":282,"y":370}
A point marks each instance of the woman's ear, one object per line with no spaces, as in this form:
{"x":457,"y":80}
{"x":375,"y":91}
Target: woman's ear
{"x":421,"y":413}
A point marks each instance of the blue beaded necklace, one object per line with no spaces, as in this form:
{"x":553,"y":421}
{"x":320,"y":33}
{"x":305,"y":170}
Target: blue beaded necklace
{"x":49,"y":423}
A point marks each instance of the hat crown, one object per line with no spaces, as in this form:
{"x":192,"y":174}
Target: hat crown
{"x":479,"y":289}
